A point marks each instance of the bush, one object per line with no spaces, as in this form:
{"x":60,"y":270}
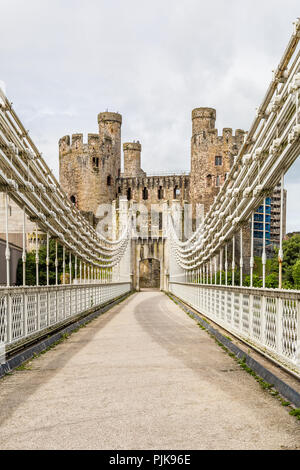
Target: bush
{"x":296,"y":274}
{"x":272,"y":281}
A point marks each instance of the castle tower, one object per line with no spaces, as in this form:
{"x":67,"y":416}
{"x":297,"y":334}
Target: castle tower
{"x":132,"y":159}
{"x":88,"y":171}
{"x":211,"y":157}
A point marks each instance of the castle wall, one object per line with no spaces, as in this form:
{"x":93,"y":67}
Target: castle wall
{"x":150,"y":190}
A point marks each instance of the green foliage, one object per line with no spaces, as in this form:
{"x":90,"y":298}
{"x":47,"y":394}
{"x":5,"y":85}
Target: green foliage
{"x":229,"y":278}
{"x":272,"y":281}
{"x":296,"y":274}
{"x":290,"y":266}
{"x":31,"y":266}
{"x":295,"y":412}
{"x":257,"y":282}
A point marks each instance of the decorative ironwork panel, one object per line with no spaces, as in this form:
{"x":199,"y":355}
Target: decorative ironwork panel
{"x":245,"y":313}
{"x":52,"y":308}
{"x":17,"y":316}
{"x":60,"y":305}
{"x":289,"y":328}
{"x":3,"y":317}
{"x":32,"y":316}
{"x":236,"y":310}
{"x":223,"y":305}
{"x":43,"y":309}
{"x":270,"y":325}
{"x":256,"y":317}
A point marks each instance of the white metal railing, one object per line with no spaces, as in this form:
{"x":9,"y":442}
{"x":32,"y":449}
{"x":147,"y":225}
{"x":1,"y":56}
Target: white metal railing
{"x":26,"y":311}
{"x":267,"y":319}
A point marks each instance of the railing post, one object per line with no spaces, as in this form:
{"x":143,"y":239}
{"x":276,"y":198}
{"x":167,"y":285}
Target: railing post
{"x":241,"y":257}
{"x":56,"y":264}
{"x":47,"y":260}
{"x":233,"y":259}
{"x":263,"y":319}
{"x":36,"y":255}
{"x":38,"y":310}
{"x":48,"y":307}
{"x":64,"y":264}
{"x":280,"y":252}
{"x":70,"y":268}
{"x":251,"y":249}
{"x":298,"y":334}
{"x":215,"y":270}
{"x":9,"y":319}
{"x":24,"y":247}
{"x":221,"y":262}
{"x":25,"y":314}
{"x":263,"y":258}
{"x":226,"y":265}
{"x":7,"y":249}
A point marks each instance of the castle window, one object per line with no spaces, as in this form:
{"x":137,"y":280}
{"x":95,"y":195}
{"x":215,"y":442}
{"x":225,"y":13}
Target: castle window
{"x":208,"y":180}
{"x":108,"y":181}
{"x":160,"y":221}
{"x":73,"y":199}
{"x":145,"y":194}
{"x":119,"y":189}
{"x":160,"y":193}
{"x":95,"y":162}
{"x":218,"y":181}
{"x":129,"y":194}
{"x":176,"y":192}
{"x":218,"y":161}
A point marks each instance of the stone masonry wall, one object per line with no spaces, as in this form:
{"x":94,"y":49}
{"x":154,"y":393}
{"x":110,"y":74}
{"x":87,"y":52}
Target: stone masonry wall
{"x":211,"y":156}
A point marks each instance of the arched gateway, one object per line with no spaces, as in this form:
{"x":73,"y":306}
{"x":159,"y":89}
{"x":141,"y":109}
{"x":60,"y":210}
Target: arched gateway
{"x":149,"y":273}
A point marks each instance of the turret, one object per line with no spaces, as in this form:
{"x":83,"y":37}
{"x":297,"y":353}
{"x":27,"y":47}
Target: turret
{"x":203,"y":119}
{"x":110,"y":127}
{"x":132,"y":159}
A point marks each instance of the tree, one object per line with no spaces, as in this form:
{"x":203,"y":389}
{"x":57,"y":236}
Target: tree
{"x":31,"y":266}
{"x":296,"y":274}
{"x":257,"y":282}
{"x":272,"y":281}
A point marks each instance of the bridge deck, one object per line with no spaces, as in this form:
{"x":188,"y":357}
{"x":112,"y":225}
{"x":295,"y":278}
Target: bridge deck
{"x":141,"y":376}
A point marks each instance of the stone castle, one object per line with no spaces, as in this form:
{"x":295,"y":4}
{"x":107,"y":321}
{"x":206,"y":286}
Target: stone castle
{"x":90,"y":174}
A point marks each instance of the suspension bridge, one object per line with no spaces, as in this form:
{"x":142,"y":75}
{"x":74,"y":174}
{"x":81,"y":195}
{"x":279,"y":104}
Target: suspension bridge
{"x":143,"y":375}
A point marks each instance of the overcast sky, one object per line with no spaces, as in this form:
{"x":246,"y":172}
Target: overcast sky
{"x":64,"y":61}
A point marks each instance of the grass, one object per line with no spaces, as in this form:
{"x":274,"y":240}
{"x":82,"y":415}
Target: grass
{"x":295,"y":412}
